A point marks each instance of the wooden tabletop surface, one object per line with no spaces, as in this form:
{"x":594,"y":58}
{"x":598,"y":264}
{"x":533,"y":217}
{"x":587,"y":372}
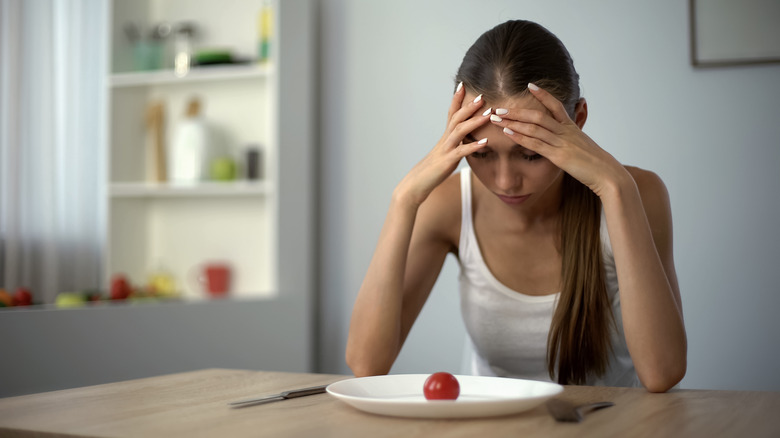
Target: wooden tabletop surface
{"x":194,"y":404}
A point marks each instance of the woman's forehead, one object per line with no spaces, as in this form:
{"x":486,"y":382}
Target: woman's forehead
{"x":526,"y":101}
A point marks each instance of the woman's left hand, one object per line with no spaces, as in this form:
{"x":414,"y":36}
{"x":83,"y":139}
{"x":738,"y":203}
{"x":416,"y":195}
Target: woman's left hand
{"x":554,"y":135}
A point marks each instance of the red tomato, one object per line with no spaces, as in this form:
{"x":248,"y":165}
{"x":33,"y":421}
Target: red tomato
{"x":441,"y":386}
{"x":22,"y":297}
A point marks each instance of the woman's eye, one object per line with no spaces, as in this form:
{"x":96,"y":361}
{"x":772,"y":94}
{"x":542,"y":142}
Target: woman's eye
{"x":532,"y":157}
{"x":479,"y":154}
{"x":527,"y":154}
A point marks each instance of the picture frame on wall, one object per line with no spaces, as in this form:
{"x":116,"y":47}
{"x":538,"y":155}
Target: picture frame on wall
{"x":732,"y":33}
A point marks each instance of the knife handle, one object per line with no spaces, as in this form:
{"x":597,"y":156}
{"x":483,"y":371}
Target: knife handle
{"x":304,"y":391}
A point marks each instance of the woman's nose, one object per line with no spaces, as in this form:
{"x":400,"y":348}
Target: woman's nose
{"x":506,"y":177}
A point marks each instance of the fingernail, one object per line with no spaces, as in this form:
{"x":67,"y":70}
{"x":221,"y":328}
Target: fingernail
{"x":501,"y":111}
{"x":483,"y":141}
{"x":478,"y":98}
{"x":508,"y":131}
{"x":495,"y":118}
{"x":460,"y":85}
{"x":487,"y":111}
{"x":532,"y":86}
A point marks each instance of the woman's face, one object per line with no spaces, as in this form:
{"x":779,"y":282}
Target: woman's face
{"x":517,"y":176}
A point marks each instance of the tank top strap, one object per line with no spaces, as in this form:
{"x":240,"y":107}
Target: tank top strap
{"x":465,"y":212}
{"x":606,"y":243}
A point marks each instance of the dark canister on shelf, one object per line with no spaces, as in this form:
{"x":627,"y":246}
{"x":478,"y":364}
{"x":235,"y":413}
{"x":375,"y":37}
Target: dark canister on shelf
{"x":253,"y":163}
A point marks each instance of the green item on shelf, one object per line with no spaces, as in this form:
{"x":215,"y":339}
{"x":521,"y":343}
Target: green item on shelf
{"x":70,"y":299}
{"x":264,"y":32}
{"x":212,"y":57}
{"x":223,"y":169}
{"x":147,"y":56}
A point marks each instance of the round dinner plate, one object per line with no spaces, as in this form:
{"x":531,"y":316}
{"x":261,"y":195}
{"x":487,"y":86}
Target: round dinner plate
{"x":401,"y":395}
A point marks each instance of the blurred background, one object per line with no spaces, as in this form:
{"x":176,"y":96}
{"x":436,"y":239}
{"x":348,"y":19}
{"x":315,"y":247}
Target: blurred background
{"x":348,"y":96}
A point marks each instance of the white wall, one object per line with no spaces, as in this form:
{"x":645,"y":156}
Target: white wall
{"x":712,"y":135}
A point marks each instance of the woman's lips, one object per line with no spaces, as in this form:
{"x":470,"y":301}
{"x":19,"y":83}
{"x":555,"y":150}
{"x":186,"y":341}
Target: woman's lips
{"x":513,"y":200}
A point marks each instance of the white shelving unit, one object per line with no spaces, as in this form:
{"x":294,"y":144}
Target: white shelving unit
{"x":178,"y":228}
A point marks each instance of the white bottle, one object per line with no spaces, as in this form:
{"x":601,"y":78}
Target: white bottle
{"x":189,"y":155}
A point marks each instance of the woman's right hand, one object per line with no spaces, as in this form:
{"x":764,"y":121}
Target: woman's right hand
{"x":445,"y":156}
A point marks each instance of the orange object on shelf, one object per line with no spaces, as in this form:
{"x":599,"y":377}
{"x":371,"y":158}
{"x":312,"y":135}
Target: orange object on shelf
{"x":5,"y":299}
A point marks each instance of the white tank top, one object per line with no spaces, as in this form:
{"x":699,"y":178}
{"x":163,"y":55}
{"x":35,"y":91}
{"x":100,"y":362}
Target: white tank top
{"x":507,"y":329}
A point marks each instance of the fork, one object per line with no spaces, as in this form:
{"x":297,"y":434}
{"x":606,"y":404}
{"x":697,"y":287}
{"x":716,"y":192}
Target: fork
{"x":563,"y":410}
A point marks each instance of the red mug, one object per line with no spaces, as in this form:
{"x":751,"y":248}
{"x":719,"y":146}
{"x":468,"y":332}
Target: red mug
{"x":216,"y":279}
{"x":120,"y":287}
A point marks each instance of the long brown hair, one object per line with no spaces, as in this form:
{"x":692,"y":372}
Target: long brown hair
{"x":499,"y":65}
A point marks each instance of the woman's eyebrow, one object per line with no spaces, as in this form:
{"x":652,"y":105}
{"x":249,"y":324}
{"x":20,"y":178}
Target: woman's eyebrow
{"x":470,"y":138}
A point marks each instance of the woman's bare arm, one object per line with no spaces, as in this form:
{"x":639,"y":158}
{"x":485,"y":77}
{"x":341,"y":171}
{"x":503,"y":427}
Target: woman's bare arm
{"x":640,"y":229}
{"x":412,"y":246}
{"x":409,"y":256}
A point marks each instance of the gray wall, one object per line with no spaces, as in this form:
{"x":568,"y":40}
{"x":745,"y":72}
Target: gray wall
{"x":712,"y":135}
{"x":45,"y":350}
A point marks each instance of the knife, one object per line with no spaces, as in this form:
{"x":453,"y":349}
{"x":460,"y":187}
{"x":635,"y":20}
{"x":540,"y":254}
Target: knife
{"x":293,"y":393}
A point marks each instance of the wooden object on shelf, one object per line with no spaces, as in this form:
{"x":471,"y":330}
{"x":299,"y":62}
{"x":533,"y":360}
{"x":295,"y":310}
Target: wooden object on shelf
{"x":155,"y":123}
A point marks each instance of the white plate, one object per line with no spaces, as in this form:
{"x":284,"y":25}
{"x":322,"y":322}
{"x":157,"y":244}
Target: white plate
{"x":401,"y":395}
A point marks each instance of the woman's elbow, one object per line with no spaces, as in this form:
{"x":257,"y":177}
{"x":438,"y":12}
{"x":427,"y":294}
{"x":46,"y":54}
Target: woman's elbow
{"x":362,"y":366}
{"x":663,"y":380}
{"x":365,"y":371}
{"x":359,"y":369}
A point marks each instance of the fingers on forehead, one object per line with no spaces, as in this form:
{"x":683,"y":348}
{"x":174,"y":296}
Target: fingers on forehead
{"x":533,"y":115}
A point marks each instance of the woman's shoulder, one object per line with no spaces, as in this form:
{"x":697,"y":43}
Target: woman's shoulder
{"x":440,"y":213}
{"x":651,"y":186}
{"x":643,"y":177}
{"x":654,"y":194}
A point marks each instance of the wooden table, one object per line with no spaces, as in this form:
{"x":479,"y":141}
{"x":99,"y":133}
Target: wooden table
{"x":195,"y":404}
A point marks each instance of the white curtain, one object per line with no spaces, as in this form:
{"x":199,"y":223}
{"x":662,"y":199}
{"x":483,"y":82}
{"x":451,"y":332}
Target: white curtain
{"x":53,"y":61}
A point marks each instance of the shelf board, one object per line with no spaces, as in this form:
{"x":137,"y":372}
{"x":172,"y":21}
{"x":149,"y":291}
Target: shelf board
{"x":266,"y":296}
{"x":197,"y":74}
{"x":200,"y":189}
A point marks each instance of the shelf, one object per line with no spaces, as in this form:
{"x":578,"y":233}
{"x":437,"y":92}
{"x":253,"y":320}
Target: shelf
{"x":266,"y":296}
{"x":159,"y":190}
{"x":197,"y":74}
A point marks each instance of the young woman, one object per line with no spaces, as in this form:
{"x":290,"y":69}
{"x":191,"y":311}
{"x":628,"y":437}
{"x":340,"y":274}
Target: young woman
{"x":567,"y":271}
